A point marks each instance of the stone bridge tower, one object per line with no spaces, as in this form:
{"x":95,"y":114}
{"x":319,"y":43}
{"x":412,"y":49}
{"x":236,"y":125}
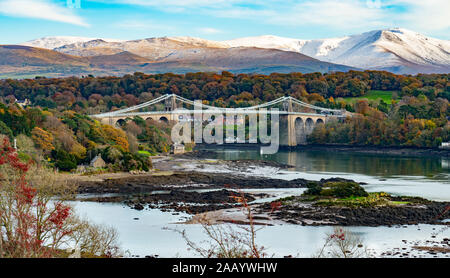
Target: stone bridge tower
{"x":286,"y":128}
{"x":295,"y":127}
{"x":171,"y":104}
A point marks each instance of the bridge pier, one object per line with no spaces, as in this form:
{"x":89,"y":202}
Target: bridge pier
{"x":295,"y":128}
{"x":109,"y":121}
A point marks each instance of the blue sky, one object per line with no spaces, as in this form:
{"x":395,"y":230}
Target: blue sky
{"x":23,"y":20}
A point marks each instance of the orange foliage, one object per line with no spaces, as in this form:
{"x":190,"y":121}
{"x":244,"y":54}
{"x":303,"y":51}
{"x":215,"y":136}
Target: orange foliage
{"x":116,"y":135}
{"x":43,"y":139}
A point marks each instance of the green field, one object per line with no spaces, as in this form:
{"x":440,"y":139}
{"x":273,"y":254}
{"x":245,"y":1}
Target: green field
{"x":145,"y":153}
{"x":386,"y":96}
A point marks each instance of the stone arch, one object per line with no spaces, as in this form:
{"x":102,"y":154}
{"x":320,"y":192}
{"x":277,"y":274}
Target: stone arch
{"x":320,"y":122}
{"x":300,"y":131}
{"x":309,"y":126}
{"x":163,"y":119}
{"x":120,"y":122}
{"x":148,"y":119}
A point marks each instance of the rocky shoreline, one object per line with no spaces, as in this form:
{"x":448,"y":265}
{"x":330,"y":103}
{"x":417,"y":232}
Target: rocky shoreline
{"x":388,"y":150}
{"x":182,"y":183}
{"x":394,"y":151}
{"x":186,"y":180}
{"x":181,"y":191}
{"x":305,"y":213}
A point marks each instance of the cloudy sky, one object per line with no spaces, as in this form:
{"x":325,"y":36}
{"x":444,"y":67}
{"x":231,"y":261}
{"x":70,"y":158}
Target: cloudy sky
{"x":22,"y":20}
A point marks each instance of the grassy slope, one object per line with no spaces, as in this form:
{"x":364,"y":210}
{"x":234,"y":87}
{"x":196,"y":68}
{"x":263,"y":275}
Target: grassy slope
{"x":386,"y":96}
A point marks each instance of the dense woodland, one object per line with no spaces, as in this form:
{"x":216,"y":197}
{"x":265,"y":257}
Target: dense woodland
{"x":56,"y":125}
{"x":105,"y":93}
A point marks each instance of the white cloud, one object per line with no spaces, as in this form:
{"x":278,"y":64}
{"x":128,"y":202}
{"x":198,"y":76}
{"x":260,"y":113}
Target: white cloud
{"x":175,"y":6}
{"x":430,"y":16}
{"x":173,"y":3}
{"x":341,"y":14}
{"x":209,"y":31}
{"x":142,"y":25}
{"x":427,"y":16}
{"x":41,"y":9}
{"x":337,"y":14}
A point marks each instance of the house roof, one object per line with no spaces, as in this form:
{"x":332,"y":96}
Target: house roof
{"x":96,"y":158}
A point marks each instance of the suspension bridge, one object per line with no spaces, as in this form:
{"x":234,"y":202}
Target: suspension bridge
{"x":297,"y":118}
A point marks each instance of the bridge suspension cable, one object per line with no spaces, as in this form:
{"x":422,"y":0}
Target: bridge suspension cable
{"x":264,"y":105}
{"x":139,"y":106}
{"x":273,"y":102}
{"x":312,"y":106}
{"x":123,"y":112}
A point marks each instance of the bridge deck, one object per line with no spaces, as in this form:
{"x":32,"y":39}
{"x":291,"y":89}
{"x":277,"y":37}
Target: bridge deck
{"x":184,"y":112}
{"x":172,"y":98}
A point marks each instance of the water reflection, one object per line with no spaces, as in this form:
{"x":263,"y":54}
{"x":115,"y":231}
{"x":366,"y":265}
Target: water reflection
{"x":445,"y":163}
{"x":381,"y":165}
{"x":142,"y":233}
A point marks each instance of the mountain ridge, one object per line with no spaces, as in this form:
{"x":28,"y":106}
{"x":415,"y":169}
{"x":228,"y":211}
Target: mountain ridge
{"x":24,"y":61}
{"x":397,"y":50}
{"x":378,"y":49}
{"x":58,"y":41}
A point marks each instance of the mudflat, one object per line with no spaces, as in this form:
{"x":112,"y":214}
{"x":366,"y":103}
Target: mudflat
{"x":198,"y":184}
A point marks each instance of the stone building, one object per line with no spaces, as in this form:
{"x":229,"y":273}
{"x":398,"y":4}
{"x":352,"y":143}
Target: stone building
{"x":98,"y":162}
{"x":177,"y":149}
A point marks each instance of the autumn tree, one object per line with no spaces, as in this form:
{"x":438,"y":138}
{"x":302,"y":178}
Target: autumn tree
{"x":33,"y":223}
{"x":43,"y":139}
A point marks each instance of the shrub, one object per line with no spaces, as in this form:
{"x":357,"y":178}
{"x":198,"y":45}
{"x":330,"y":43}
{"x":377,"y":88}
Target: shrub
{"x":336,"y":189}
{"x":4,"y":129}
{"x":313,"y":188}
{"x":227,"y":242}
{"x":343,"y":243}
{"x":35,"y":220}
{"x":346,"y":189}
{"x":65,"y":161}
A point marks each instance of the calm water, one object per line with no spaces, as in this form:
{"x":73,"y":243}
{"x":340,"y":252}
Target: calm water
{"x":434,"y":168}
{"x":148,"y":235}
{"x":415,"y":176}
{"x":428,"y":177}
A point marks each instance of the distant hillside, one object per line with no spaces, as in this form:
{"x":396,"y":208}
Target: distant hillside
{"x":24,"y":61}
{"x":54,"y":42}
{"x":16,"y":55}
{"x":396,"y":50}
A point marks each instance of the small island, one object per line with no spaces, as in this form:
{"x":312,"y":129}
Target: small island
{"x":184,"y":186}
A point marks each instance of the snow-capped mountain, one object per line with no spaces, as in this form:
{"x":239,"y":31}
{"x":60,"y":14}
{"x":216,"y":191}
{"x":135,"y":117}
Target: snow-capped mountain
{"x":199,"y":42}
{"x":398,"y":50}
{"x":268,"y":41}
{"x":151,"y":48}
{"x":55,"y":42}
{"x":155,"y":55}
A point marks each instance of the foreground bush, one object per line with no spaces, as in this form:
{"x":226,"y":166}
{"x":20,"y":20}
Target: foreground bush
{"x":337,"y":189}
{"x":343,"y":243}
{"x":35,"y":225}
{"x":224,"y":241}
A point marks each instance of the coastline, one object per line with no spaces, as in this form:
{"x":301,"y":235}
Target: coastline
{"x":386,"y":150}
{"x":390,"y":150}
{"x":194,"y":183}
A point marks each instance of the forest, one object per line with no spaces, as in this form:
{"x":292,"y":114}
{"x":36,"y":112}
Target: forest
{"x":414,"y":110}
